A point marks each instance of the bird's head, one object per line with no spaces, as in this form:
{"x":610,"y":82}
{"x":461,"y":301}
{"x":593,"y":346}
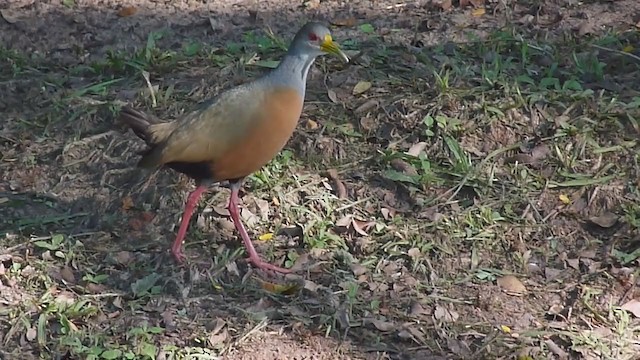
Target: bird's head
{"x":315,"y":39}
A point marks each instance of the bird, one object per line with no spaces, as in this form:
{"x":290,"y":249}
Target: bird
{"x":235,"y":133}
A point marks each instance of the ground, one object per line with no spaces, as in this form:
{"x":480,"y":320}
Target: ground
{"x":465,"y":188}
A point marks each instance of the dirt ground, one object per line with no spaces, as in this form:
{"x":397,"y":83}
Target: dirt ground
{"x":525,"y":246}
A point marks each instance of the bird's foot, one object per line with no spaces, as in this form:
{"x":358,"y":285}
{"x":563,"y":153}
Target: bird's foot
{"x":178,"y":255}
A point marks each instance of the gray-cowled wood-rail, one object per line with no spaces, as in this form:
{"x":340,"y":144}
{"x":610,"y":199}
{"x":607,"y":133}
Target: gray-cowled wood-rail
{"x":236,"y":133}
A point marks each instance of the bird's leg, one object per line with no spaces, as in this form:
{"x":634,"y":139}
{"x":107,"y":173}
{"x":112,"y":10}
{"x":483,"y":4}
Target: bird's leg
{"x":235,"y":216}
{"x":192,"y":201}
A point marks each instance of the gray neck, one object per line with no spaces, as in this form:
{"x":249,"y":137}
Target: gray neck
{"x":292,"y":71}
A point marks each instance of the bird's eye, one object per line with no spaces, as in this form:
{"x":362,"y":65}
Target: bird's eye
{"x":313,"y":37}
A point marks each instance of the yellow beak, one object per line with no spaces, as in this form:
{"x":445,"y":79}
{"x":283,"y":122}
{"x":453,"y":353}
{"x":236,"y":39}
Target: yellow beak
{"x":330,"y":47}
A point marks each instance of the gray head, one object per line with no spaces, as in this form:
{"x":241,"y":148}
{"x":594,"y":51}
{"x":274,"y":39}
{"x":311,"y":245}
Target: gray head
{"x":314,"y":39}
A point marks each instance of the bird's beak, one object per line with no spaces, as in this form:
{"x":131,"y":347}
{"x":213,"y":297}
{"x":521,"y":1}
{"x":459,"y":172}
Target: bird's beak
{"x":329,"y":46}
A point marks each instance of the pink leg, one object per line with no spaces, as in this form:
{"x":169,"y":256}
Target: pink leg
{"x":235,"y":216}
{"x":192,"y":201}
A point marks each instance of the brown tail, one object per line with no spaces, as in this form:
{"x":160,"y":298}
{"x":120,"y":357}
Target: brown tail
{"x":150,"y":129}
{"x":139,"y":122}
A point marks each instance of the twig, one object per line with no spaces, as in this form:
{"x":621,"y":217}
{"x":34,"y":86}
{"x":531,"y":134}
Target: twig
{"x":635,"y":57}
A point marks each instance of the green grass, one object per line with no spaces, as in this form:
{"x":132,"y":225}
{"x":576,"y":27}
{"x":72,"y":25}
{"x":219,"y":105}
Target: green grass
{"x":524,"y":144}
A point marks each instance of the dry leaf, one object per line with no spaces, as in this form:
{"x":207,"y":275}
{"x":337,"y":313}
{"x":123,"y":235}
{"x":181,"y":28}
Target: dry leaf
{"x":222,"y":211}
{"x":388,"y":213}
{"x":564,"y":199}
{"x":311,"y":125}
{"x":219,"y":338}
{"x":358,"y":269}
{"x":444,"y":314}
{"x":127,"y":203}
{"x":361,"y":227}
{"x":586,"y":28}
{"x":605,"y":220}
{"x":446,"y":4}
{"x":31,"y":334}
{"x":368,"y":123}
{"x":403,"y":167}
{"x":266,"y":237}
{"x":478,"y":12}
{"x":67,"y":275}
{"x":124,"y":257}
{"x":414,"y":253}
{"x":361,"y":87}
{"x":332,"y":96}
{"x":127,"y":11}
{"x":9,"y":16}
{"x":349,"y":21}
{"x":368,"y":105}
{"x":632,"y":306}
{"x":338,"y":185}
{"x":284,"y":289}
{"x":511,"y":285}
{"x":382,"y":325}
{"x":344,"y":221}
{"x":417,"y":148}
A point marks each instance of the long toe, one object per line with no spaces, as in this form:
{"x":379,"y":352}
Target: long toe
{"x":259,"y":263}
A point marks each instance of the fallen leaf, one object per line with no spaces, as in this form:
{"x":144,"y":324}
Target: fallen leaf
{"x":605,"y":220}
{"x":349,"y":21}
{"x":124,"y":257}
{"x":338,"y":186}
{"x":403,"y":167}
{"x":505,"y":329}
{"x":417,"y":148}
{"x":368,"y":123}
{"x":358,"y":269}
{"x":31,"y":334}
{"x":478,"y":12}
{"x":551,"y":273}
{"x":9,"y":16}
{"x":366,"y":106}
{"x":311,"y":125}
{"x":417,"y":309}
{"x":127,"y":203}
{"x":388,"y":213}
{"x":344,"y":221}
{"x":221,"y":210}
{"x":564,"y":199}
{"x":249,"y":218}
{"x":219,"y":338}
{"x":444,"y":314}
{"x":361,"y":227}
{"x":332,"y":96}
{"x":586,"y":28}
{"x":446,"y":4}
{"x":127,"y":11}
{"x":414,"y":253}
{"x":283,"y":289}
{"x":361,"y":87}
{"x":632,"y":306}
{"x":67,"y":274}
{"x":511,"y":285}
{"x":382,"y":325}
{"x":266,"y":237}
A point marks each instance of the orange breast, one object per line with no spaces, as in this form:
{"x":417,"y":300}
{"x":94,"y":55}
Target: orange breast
{"x":265,"y":137}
